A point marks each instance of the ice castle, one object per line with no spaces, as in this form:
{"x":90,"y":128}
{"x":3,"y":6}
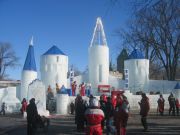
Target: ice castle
{"x":54,"y":69}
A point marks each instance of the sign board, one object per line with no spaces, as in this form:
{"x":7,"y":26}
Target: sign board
{"x":104,"y":88}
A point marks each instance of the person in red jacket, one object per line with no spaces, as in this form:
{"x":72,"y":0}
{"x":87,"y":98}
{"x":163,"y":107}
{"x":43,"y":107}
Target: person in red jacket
{"x":94,"y":115}
{"x":121,"y":114}
{"x":82,"y":89}
{"x":161,"y":104}
{"x":24,"y":105}
{"x":144,"y":109}
{"x":113,"y":100}
{"x":116,"y":113}
{"x":73,"y":87}
{"x":177,"y":106}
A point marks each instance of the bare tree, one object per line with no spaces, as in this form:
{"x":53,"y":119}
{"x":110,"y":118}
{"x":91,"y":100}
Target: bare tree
{"x":8,"y":59}
{"x":155,"y":29}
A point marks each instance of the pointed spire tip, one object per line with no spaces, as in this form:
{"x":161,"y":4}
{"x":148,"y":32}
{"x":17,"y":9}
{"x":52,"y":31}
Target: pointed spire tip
{"x":99,"y":37}
{"x":31,"y":41}
{"x":99,"y":20}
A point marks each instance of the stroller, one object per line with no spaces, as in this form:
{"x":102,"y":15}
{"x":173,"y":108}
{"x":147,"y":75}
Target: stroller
{"x":51,"y":105}
{"x":43,"y":123}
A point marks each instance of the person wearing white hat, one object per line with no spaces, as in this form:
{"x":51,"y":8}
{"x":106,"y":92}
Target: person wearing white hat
{"x":94,"y":115}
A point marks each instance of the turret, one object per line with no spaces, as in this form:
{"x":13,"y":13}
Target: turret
{"x":136,"y":70}
{"x":98,"y":57}
{"x":29,"y":72}
{"x":54,"y":68}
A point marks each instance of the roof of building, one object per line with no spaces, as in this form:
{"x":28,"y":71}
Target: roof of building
{"x":54,"y":50}
{"x":177,"y":86}
{"x":136,"y":54}
{"x":30,"y":63}
{"x":123,"y":54}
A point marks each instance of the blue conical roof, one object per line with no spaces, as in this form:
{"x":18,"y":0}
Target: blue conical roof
{"x":30,"y":63}
{"x":54,"y":50}
{"x":136,"y":54}
{"x":177,"y":86}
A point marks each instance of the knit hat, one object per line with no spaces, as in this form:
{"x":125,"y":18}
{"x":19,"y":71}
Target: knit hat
{"x":94,"y":103}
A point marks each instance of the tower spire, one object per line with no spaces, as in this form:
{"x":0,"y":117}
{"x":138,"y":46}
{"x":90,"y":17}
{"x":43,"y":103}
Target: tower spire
{"x":30,"y":63}
{"x":99,"y":37}
{"x":31,"y":41}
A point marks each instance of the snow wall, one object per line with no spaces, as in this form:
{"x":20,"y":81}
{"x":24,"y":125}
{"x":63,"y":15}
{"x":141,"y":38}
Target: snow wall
{"x":26,"y":78}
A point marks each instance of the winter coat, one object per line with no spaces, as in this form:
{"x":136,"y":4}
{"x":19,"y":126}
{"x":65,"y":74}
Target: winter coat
{"x":94,"y":116}
{"x":144,"y":106}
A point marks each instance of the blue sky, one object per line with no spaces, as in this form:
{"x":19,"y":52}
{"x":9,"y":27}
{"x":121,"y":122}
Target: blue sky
{"x":68,"y":24}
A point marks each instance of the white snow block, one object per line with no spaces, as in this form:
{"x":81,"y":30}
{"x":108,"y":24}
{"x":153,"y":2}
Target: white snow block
{"x":62,"y":101}
{"x":176,"y":93}
{"x":37,"y":91}
{"x":11,"y":102}
{"x":26,"y":78}
{"x":2,"y":93}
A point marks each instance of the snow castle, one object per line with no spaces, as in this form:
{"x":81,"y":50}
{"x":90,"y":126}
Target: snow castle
{"x":54,"y":69}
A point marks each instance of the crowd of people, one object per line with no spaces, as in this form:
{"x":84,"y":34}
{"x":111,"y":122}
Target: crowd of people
{"x":174,"y":105}
{"x":97,"y":114}
{"x":113,"y":113}
{"x":84,"y":89}
{"x":110,"y":112}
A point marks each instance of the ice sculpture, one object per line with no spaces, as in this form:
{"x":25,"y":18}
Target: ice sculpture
{"x":37,"y":91}
{"x":11,"y":102}
{"x":62,"y":101}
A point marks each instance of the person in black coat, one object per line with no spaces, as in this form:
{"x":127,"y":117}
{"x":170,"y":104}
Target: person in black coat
{"x":144,"y":110}
{"x":79,"y":113}
{"x":172,"y":104}
{"x":108,"y":114}
{"x":72,"y":107}
{"x":3,"y":107}
{"x":32,"y":116}
{"x":102,"y":102}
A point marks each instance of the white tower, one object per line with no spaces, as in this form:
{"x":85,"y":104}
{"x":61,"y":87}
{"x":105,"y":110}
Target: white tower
{"x":176,"y":91}
{"x":98,"y":57}
{"x":54,"y":68}
{"x":136,"y":70}
{"x":29,"y":72}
